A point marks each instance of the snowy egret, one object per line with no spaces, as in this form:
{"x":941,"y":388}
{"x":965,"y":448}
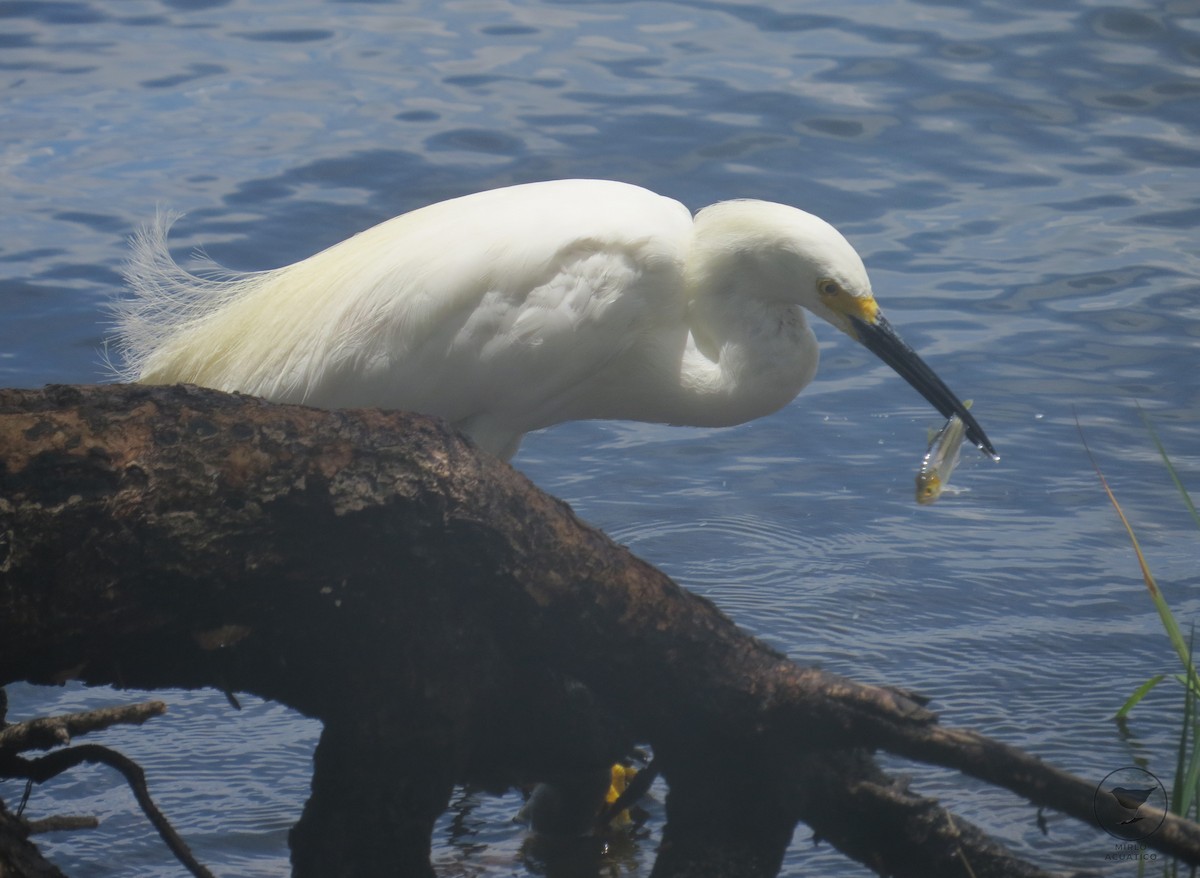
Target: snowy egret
{"x":513,"y":309}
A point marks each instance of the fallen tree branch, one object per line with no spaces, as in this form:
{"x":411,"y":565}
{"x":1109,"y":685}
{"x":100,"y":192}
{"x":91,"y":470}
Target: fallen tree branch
{"x":44,"y":768}
{"x":61,"y":823}
{"x":1044,"y":785}
{"x":52,"y":731}
{"x":447,"y":622}
{"x":44,"y":733}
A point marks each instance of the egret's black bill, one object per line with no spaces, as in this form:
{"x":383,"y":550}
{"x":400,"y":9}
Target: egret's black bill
{"x":881,"y":340}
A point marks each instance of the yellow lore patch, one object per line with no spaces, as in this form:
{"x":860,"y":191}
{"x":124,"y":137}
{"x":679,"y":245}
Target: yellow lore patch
{"x":838,"y":299}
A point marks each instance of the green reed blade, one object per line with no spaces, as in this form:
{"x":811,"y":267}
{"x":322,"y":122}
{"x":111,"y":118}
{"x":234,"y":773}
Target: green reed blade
{"x":1138,"y":694}
{"x":1164,"y":612}
{"x":1187,"y":499}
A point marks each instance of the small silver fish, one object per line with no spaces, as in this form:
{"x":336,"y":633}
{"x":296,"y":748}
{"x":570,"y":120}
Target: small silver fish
{"x":940,"y":460}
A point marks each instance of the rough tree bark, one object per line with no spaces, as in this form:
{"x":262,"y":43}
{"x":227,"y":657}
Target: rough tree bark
{"x":448,"y":623}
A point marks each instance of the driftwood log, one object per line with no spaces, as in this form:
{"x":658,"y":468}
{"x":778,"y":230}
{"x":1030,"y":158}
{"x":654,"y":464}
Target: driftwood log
{"x":448,"y":623}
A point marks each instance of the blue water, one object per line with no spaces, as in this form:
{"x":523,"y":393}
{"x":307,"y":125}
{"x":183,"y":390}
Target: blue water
{"x":1020,"y":177}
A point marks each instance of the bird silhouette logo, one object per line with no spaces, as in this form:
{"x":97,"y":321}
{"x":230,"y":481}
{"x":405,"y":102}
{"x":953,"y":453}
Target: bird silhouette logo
{"x":1130,"y":804}
{"x":1132,"y":800}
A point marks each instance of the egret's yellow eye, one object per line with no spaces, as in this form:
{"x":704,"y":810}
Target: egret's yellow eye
{"x":859,"y":306}
{"x":829,"y":288}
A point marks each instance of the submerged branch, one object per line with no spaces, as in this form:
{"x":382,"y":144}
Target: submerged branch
{"x":61,"y":823}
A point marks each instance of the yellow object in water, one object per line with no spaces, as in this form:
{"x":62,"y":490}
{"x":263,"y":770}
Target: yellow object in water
{"x":571,"y":807}
{"x":621,"y":776}
{"x":940,"y":460}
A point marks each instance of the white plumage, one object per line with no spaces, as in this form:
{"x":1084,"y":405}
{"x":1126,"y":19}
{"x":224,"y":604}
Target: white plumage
{"x":514,"y":309}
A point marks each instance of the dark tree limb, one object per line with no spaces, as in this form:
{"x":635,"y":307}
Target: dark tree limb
{"x":448,"y":623}
{"x":1026,"y":775}
{"x":44,"y":733}
{"x":19,"y":857}
{"x":53,"y":764}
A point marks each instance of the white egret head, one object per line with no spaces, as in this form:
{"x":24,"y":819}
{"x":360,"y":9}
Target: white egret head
{"x":785,"y":254}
